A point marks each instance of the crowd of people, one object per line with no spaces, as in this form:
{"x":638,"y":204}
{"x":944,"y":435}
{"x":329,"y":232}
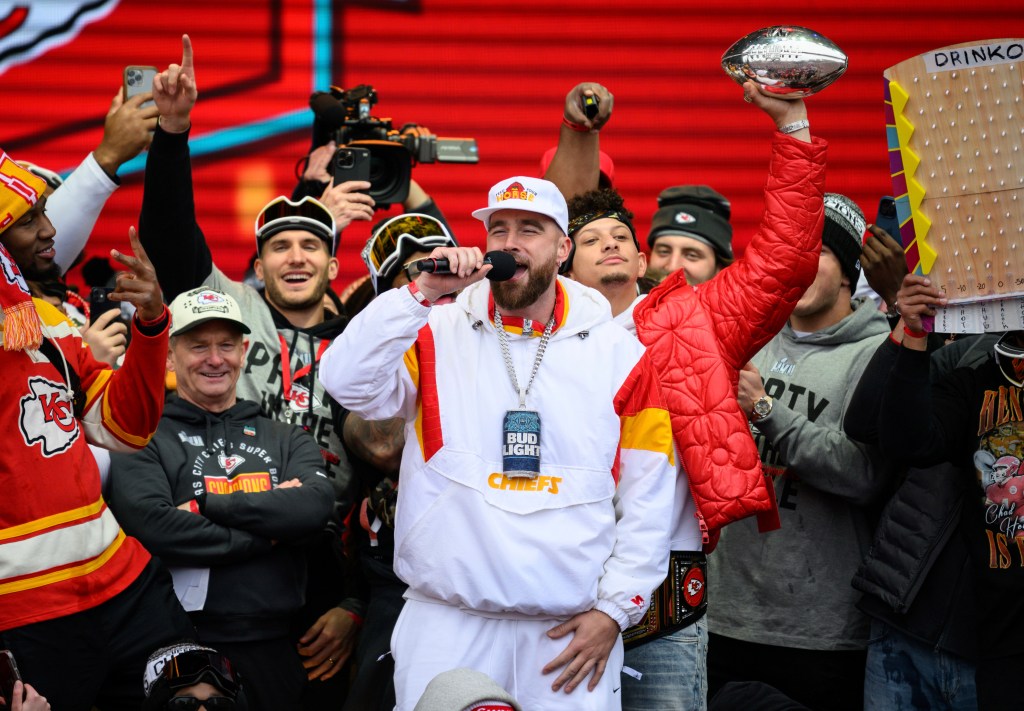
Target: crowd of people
{"x":595,"y":477}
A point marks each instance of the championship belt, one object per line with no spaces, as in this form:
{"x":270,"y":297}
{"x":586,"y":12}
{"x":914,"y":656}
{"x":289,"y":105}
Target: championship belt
{"x":679,"y":602}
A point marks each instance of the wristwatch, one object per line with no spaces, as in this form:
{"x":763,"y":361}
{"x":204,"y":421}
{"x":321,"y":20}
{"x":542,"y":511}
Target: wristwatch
{"x":762,"y":408}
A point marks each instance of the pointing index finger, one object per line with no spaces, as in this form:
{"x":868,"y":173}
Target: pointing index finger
{"x":186,"y":54}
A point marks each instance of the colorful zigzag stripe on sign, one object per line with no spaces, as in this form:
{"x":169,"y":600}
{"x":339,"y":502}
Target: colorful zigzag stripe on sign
{"x":903,"y":163}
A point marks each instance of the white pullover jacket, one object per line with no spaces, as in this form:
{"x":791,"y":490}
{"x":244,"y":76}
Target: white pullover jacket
{"x":592,"y":531}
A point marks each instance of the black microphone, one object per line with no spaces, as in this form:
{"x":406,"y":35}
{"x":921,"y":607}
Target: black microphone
{"x":503,"y":266}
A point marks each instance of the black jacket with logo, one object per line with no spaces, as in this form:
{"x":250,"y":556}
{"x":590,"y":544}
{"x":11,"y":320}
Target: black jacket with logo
{"x":232,"y":465}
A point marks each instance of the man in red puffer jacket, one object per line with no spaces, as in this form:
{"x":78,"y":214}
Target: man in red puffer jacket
{"x":727,"y":320}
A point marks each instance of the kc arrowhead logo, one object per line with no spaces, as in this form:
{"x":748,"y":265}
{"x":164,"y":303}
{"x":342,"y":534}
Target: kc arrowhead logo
{"x":229,"y":464}
{"x":300,"y":399}
{"x":47,"y":417}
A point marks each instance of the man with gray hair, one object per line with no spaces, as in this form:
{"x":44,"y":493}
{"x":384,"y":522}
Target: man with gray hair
{"x":225,"y":496}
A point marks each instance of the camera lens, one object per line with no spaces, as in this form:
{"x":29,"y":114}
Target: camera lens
{"x":344,"y":159}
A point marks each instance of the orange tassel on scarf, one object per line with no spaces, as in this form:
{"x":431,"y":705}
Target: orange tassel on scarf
{"x":19,"y":193}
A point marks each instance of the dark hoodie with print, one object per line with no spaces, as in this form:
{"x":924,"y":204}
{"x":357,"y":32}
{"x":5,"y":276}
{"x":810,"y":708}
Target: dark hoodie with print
{"x":231,"y":464}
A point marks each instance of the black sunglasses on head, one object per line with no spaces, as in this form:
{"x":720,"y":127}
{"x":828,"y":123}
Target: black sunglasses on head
{"x":191,"y":703}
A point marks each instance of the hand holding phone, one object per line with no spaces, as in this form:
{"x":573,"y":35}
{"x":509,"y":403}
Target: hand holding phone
{"x":100,"y":302}
{"x":138,"y":80}
{"x":887,"y":218}
{"x":350,"y":164}
{"x":8,"y":675}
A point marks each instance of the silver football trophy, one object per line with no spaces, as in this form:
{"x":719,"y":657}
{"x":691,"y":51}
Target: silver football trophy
{"x":787,"y":62}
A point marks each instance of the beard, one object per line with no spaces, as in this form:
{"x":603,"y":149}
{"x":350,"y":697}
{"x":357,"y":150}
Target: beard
{"x":615,"y":279}
{"x":51,"y":272}
{"x":284,"y":301}
{"x":515,"y":295}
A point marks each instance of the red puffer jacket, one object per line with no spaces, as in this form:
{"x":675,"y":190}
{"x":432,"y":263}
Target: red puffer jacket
{"x":700,"y":337}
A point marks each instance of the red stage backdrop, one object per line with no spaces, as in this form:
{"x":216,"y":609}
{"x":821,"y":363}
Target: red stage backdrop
{"x":498,"y":72}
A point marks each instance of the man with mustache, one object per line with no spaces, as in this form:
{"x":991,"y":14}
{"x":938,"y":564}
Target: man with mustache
{"x":538,"y":470}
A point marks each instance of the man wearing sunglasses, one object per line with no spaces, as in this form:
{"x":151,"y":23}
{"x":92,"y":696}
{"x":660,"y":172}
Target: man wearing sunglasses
{"x":290,"y":329}
{"x":190,"y":677}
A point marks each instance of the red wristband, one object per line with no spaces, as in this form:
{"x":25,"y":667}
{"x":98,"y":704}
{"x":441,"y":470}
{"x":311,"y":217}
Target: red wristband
{"x":193,"y":506}
{"x":154,"y":322}
{"x":578,"y":127}
{"x":355,"y":618}
{"x":414,"y":289}
{"x":915,"y":334}
{"x":892,"y":337}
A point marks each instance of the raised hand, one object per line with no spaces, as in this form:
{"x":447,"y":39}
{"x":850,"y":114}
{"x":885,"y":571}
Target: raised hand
{"x":175,"y":92}
{"x":467,"y":267}
{"x":916,"y":299}
{"x":318,"y":161}
{"x":347,"y":202}
{"x":781,"y":111}
{"x":138,"y":285}
{"x":884,"y":264}
{"x":574,"y":105}
{"x":126,"y":131}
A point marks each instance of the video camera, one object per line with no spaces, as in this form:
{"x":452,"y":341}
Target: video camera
{"x":370,"y":149}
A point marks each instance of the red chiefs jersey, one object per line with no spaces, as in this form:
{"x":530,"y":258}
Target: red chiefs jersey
{"x":61,"y":550}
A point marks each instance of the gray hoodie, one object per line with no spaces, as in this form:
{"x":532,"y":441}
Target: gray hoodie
{"x":791,"y":587}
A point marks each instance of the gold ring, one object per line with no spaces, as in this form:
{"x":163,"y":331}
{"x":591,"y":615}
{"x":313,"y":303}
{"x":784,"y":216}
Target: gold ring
{"x":747,"y":99}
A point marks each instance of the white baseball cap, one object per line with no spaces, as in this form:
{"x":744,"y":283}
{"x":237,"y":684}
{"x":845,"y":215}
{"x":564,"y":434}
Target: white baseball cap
{"x":530,"y":194}
{"x":198,"y":306}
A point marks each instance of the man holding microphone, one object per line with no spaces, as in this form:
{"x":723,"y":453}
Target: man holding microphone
{"x":538,"y":471}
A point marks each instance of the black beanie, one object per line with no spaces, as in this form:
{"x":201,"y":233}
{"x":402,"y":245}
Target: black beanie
{"x":843,"y":232}
{"x":696,"y":211}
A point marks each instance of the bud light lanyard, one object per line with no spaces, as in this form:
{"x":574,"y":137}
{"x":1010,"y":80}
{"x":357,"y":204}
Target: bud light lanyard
{"x":520,"y":451}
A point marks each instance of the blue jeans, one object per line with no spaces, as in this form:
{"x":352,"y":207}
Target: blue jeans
{"x":903,"y":673}
{"x":674,"y":671}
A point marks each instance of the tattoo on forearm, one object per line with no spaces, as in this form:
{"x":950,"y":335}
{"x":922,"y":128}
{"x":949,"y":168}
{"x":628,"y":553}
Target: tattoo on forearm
{"x":379,"y":442}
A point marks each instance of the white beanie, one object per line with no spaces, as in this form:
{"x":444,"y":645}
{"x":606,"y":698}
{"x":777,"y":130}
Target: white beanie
{"x":464,"y":690}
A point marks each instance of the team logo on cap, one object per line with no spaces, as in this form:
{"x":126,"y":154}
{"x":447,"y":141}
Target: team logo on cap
{"x":684,"y":218}
{"x":516,"y":191}
{"x":209,"y":301}
{"x":209,"y":297}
